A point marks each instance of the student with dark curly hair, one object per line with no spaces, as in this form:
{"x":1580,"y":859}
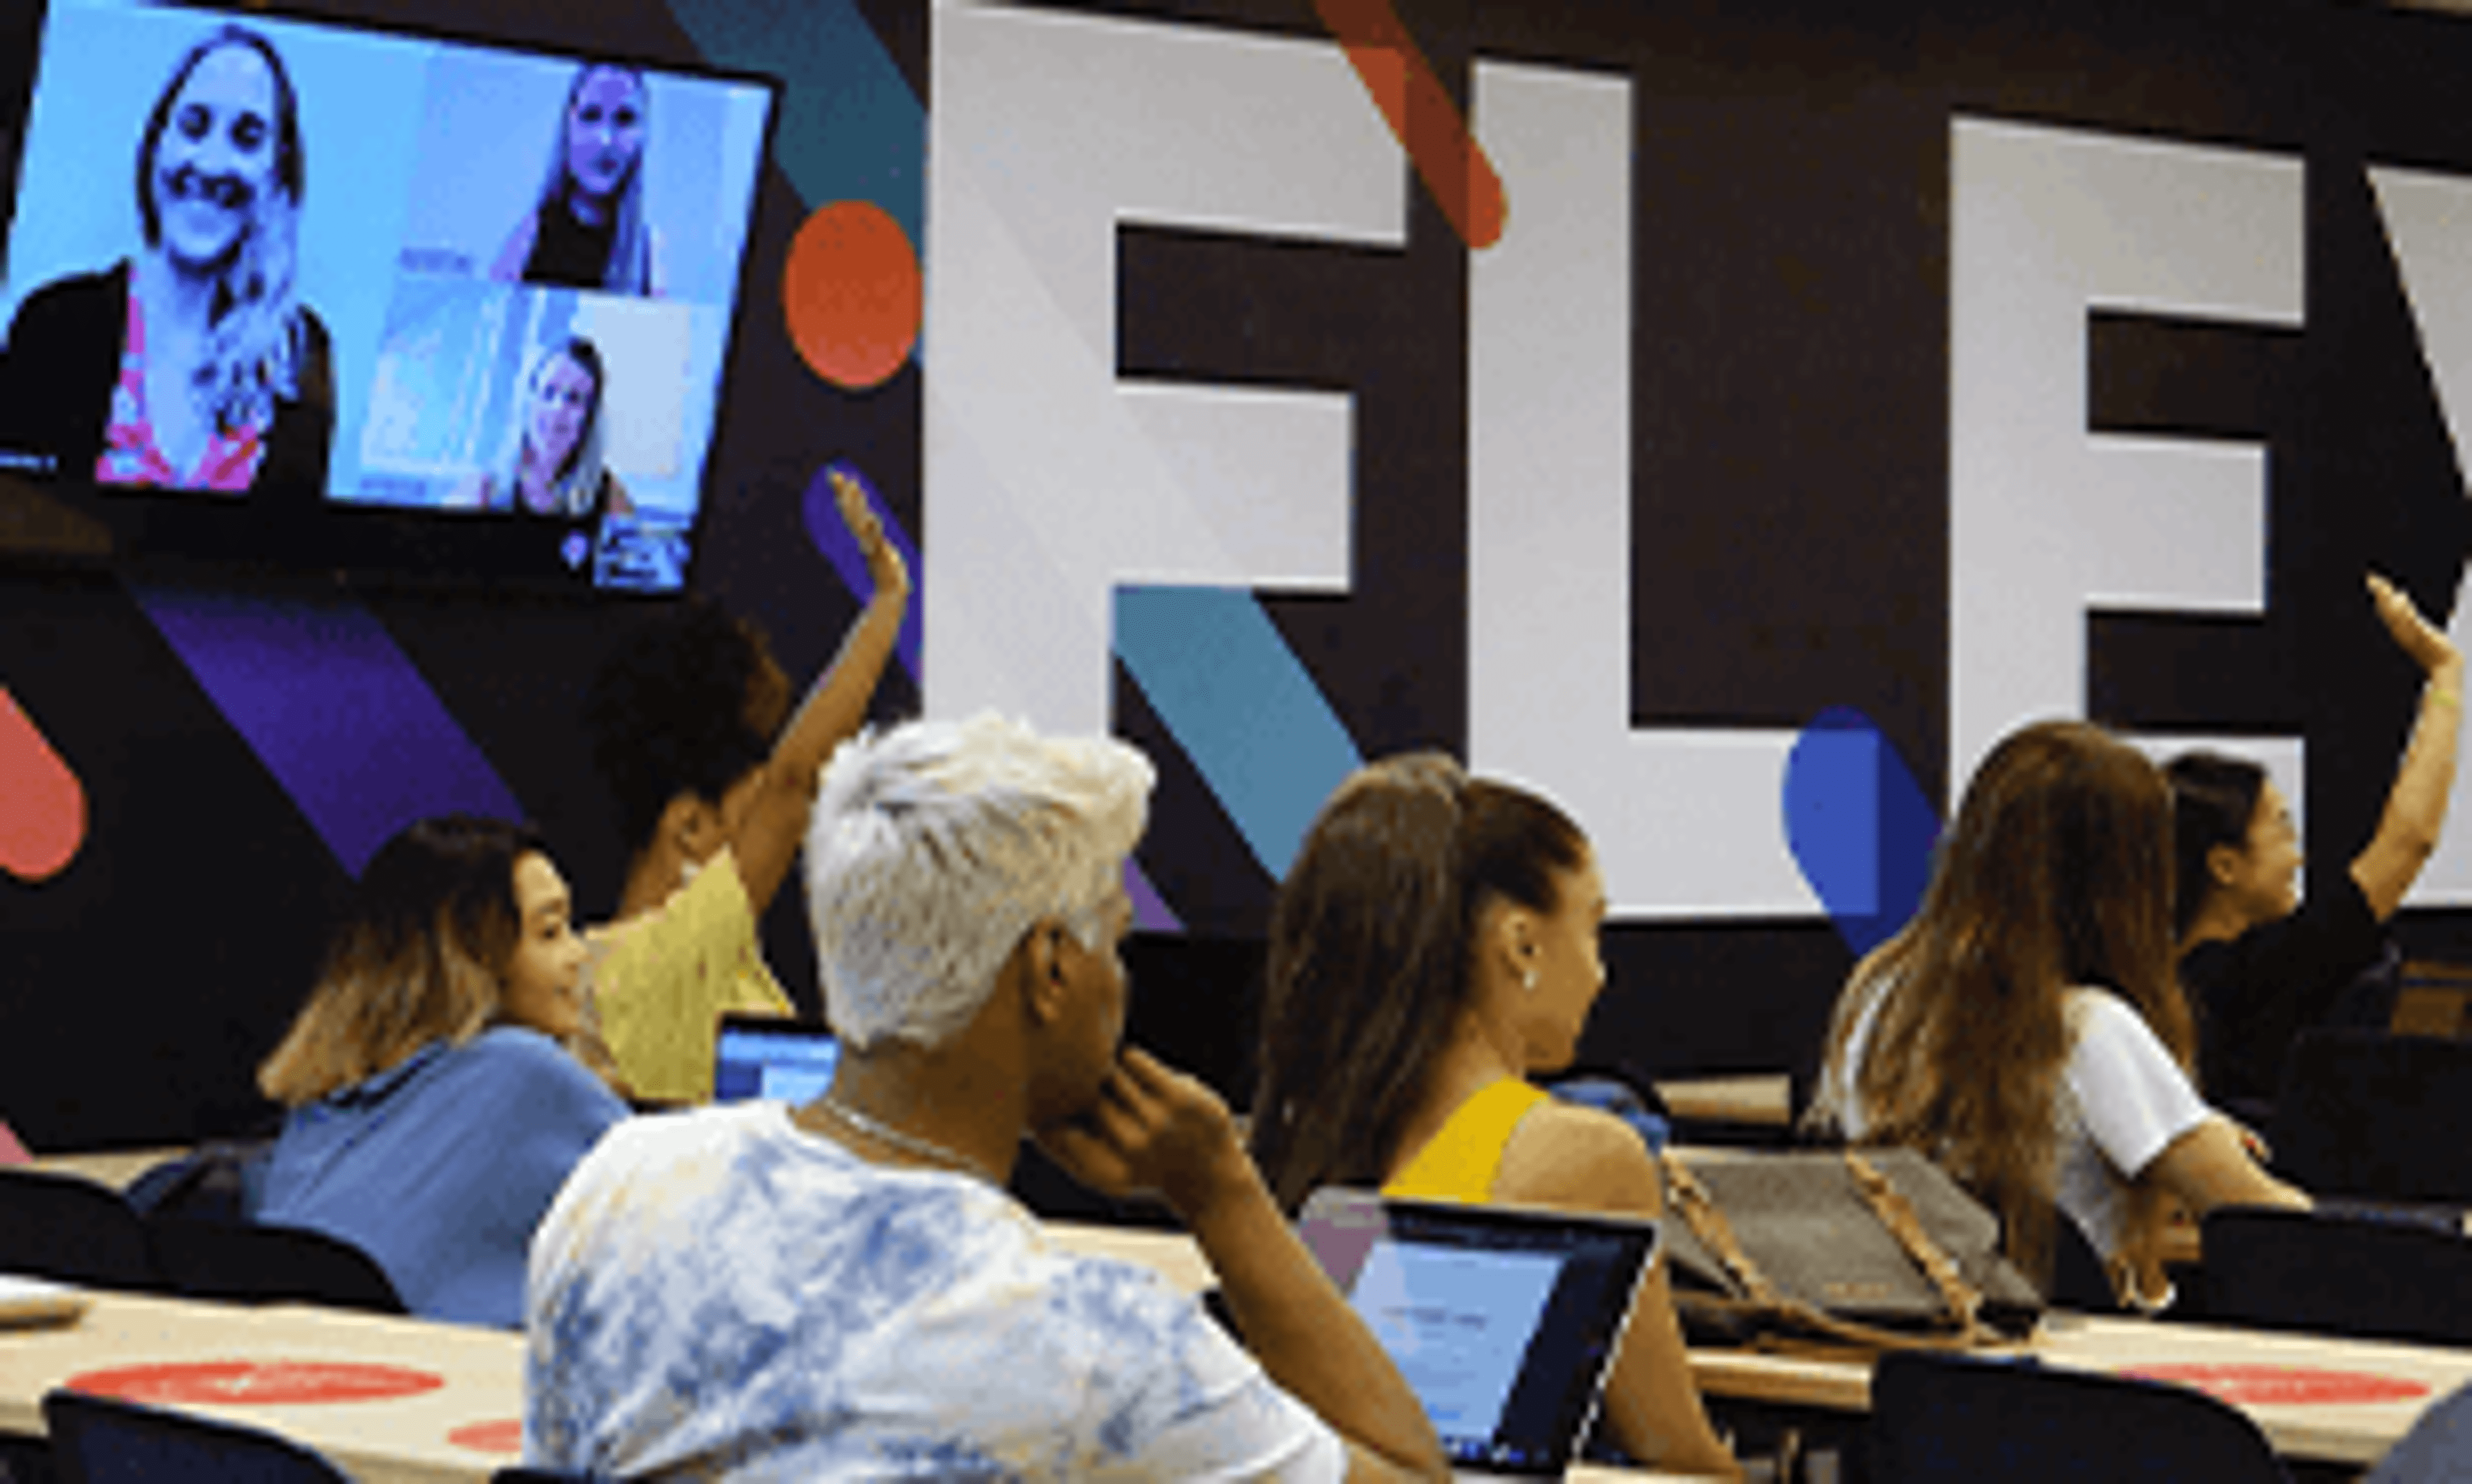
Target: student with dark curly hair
{"x":713,"y":793}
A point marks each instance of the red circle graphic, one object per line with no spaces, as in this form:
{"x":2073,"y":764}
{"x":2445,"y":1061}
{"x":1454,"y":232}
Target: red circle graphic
{"x":851,"y":295}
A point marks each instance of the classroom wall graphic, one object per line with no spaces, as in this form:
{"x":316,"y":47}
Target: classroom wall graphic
{"x":1728,"y":422}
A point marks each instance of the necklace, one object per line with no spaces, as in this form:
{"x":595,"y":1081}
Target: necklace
{"x":907,"y":1143}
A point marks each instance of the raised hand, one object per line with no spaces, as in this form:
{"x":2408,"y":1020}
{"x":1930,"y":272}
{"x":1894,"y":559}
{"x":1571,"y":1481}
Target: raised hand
{"x":884,"y":564}
{"x":2421,"y":641}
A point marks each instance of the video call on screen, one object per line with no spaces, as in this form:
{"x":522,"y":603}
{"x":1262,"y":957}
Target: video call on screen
{"x":517,"y":270}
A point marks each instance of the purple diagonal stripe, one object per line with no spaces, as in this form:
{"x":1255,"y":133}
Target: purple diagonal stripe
{"x":1151,"y":911}
{"x":336,"y":712}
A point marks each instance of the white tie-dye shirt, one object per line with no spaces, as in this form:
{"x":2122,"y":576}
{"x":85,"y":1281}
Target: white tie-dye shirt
{"x":716,"y":1294}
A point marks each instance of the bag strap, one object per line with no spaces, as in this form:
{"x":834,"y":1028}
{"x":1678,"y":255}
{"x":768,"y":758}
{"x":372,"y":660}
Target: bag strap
{"x":1700,"y":1212}
{"x":1897,"y":1215}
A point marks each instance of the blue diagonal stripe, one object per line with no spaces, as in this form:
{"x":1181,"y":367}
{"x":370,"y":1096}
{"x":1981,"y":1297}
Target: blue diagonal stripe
{"x":1217,"y":672}
{"x":1859,"y":826}
{"x":850,"y":128}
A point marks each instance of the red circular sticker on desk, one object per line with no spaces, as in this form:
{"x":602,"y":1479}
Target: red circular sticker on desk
{"x":2286,"y":1385}
{"x":505,"y":1436}
{"x":256,"y":1382}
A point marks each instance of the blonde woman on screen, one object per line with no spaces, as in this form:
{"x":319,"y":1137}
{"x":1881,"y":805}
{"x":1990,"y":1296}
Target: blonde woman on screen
{"x":192,"y":363}
{"x":552,"y":463}
{"x":587,"y":229}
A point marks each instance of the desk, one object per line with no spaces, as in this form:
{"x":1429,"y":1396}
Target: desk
{"x":1174,"y":1255}
{"x":114,"y":1167}
{"x":1761,"y":1101}
{"x":398,"y":1439}
{"x":2343,"y":1433}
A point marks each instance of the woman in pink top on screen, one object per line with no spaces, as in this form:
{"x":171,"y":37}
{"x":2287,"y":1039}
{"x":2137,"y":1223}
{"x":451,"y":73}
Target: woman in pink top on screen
{"x":1433,"y":945}
{"x":192,"y":365}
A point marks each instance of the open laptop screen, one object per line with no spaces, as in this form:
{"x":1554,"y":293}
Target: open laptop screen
{"x":771,"y":1057}
{"x":1502,"y":1321}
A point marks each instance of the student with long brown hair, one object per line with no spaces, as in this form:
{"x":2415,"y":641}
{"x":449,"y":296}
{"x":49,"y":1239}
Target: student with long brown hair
{"x":2027,"y":1029}
{"x":1433,"y":945}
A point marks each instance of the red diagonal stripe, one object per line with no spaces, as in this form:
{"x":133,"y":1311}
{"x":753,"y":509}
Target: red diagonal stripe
{"x":42,"y":805}
{"x":1421,"y":114}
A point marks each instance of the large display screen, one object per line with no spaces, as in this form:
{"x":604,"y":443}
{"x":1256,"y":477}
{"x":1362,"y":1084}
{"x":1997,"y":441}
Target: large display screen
{"x":315,"y":294}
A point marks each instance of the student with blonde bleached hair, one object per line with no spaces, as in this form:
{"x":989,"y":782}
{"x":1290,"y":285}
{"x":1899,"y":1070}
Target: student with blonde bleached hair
{"x":845,"y":1289}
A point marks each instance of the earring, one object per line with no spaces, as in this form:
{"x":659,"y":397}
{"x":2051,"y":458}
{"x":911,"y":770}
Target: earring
{"x":1527,"y":979}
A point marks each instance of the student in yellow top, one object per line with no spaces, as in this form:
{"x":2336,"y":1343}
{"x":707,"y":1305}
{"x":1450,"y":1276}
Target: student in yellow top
{"x":713,"y":793}
{"x":1434,"y":943}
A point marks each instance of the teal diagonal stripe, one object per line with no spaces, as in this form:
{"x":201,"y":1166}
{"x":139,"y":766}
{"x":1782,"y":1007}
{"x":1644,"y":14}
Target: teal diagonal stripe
{"x":850,"y":127}
{"x":1217,"y":672}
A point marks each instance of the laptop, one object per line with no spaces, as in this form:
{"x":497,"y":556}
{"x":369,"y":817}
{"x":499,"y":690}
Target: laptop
{"x":2449,"y":1218}
{"x":771,"y":1057}
{"x":1502,"y":1321}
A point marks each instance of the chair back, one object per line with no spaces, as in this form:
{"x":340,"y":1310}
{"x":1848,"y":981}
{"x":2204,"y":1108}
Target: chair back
{"x":103,"y":1440}
{"x":2367,"y":1113}
{"x":220,"y":1180}
{"x":2336,"y":1273}
{"x":2078,"y":1280}
{"x":248,"y":1264}
{"x":1938,"y":1417}
{"x":2437,"y":1451}
{"x":72,"y":1229}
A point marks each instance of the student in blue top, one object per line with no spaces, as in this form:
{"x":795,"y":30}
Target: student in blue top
{"x":434,"y":1109}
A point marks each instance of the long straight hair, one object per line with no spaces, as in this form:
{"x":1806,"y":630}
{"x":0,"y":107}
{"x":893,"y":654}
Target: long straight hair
{"x":421,"y":957}
{"x":1371,"y":940}
{"x":630,"y":265}
{"x":2056,"y":873}
{"x":255,"y":339}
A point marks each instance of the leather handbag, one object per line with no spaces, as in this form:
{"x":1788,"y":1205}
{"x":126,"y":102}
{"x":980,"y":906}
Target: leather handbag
{"x":1872,"y":1248}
